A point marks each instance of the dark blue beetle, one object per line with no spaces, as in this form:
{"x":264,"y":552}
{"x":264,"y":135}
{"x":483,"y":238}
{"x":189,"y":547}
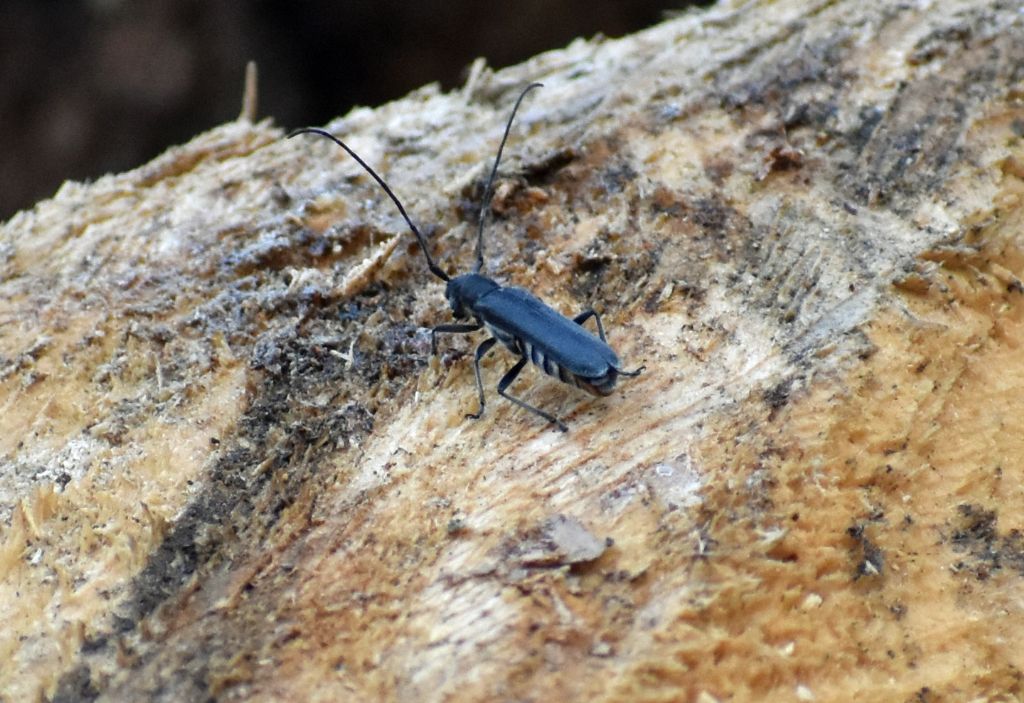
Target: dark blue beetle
{"x":529,"y":328}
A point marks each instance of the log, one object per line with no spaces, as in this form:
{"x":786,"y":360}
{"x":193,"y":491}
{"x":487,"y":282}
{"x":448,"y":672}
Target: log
{"x":231,"y":470}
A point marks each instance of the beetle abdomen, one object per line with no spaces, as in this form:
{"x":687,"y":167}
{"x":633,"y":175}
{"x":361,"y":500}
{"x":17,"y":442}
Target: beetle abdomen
{"x":603,"y":385}
{"x":599,"y":385}
{"x":556,"y":345}
{"x":515,"y":316}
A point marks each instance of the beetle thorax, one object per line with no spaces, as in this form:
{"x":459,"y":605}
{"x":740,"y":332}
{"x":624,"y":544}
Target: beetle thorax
{"x":464,"y":291}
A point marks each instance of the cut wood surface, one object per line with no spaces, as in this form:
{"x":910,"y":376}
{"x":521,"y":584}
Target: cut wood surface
{"x":231,"y":470}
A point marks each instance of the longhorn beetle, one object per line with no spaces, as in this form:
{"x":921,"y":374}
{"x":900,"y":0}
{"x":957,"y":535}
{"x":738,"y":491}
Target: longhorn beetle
{"x":529,"y":328}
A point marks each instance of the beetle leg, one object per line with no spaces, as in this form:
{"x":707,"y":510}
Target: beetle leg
{"x":507,"y":380}
{"x":485,"y":346}
{"x":458,"y":329}
{"x":586,"y":315}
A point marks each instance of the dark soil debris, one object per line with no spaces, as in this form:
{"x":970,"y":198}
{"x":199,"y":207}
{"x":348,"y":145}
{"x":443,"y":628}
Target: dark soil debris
{"x":975,"y":534}
{"x":870,"y":557}
{"x":778,"y":395}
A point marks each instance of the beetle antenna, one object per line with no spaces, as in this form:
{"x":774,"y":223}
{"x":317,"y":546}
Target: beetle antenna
{"x":434,"y":268}
{"x":488,"y":190}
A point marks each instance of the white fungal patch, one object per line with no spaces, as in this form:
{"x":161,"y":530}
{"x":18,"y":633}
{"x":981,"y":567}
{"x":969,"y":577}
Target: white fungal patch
{"x":676,"y":483}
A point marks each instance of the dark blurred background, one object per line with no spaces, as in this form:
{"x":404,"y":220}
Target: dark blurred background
{"x":95,"y":86}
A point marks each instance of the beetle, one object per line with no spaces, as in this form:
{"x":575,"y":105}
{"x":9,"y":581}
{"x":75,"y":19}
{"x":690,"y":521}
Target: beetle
{"x":526,"y":326}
